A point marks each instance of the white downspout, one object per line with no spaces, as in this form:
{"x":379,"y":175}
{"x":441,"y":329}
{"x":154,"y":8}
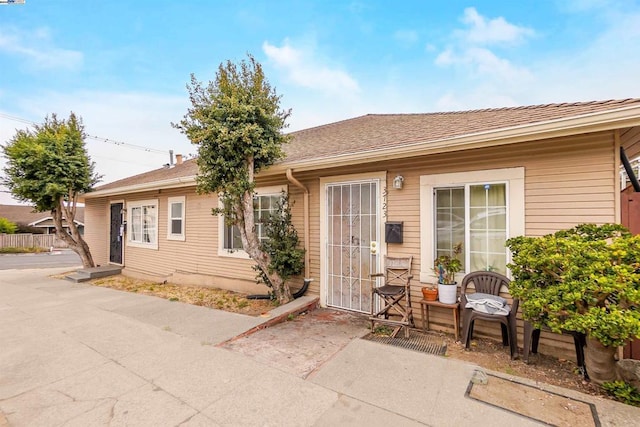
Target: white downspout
{"x":305,"y":202}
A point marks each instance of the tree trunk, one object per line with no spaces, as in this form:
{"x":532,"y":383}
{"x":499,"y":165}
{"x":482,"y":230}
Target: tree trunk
{"x":251,"y":245}
{"x":74,"y":240}
{"x":600,"y":361}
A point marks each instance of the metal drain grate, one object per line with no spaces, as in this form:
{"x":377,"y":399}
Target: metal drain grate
{"x":416,"y":342}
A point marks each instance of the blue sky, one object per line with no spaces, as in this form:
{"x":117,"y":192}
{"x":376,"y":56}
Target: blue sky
{"x":123,"y":65}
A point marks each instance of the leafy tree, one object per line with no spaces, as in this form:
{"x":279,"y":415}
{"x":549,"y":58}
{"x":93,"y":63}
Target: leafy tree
{"x":49,"y":167}
{"x":236,"y":123}
{"x":7,"y":227}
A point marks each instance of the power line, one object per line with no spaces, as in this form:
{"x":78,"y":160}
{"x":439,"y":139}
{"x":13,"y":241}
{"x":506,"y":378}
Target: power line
{"x":94,"y":137}
{"x":126,"y":144}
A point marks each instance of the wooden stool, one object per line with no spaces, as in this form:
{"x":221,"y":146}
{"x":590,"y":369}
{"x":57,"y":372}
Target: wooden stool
{"x":424,"y":311}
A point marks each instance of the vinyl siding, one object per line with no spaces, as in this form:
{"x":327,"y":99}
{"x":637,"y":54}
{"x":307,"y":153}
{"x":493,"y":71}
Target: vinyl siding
{"x":96,"y":229}
{"x":568,"y":181}
{"x":630,"y":140}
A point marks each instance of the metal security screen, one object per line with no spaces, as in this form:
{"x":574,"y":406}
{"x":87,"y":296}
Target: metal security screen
{"x":352,"y":224}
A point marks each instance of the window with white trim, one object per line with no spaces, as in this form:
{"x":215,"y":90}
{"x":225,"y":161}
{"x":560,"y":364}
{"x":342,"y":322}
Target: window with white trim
{"x":474,"y":215}
{"x":480,"y":209}
{"x":176,"y":218}
{"x":264,"y":205}
{"x":142,"y":223}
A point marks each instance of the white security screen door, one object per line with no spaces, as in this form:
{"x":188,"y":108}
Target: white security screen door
{"x":352,"y":225}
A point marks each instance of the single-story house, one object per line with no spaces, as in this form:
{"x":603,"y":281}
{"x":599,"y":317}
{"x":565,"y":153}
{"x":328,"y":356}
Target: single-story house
{"x":476,"y":177}
{"x":28,"y":219}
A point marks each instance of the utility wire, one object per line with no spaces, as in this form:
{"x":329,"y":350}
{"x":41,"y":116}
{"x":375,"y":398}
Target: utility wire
{"x":96,"y":138}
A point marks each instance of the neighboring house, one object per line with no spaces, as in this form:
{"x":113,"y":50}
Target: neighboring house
{"x":477,"y":177}
{"x":26,"y":218}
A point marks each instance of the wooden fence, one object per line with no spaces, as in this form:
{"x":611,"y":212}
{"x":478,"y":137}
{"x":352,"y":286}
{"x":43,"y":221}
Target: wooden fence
{"x":24,"y":240}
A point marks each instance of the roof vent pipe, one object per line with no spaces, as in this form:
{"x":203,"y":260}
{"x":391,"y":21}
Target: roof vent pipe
{"x":170,"y":158}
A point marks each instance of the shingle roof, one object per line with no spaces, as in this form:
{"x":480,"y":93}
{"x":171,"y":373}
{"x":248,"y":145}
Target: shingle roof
{"x":21,"y":214}
{"x":387,"y":131}
{"x":392,"y":130}
{"x":187,"y":168}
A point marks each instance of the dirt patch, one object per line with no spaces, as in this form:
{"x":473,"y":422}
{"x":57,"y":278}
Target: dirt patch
{"x":207,"y":297}
{"x":541,"y":368}
{"x":546,"y":407}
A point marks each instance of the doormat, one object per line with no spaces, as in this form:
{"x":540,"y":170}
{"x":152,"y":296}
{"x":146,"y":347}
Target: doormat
{"x":540,"y":405}
{"x":416,"y":341}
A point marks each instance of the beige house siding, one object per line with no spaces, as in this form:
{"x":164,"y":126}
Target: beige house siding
{"x":193,"y":261}
{"x":568,"y":181}
{"x":96,"y":229}
{"x":630,"y":140}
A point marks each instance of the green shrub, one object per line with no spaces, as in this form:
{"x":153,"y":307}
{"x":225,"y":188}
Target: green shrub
{"x":30,"y":250}
{"x":7,"y":227}
{"x":584,"y":279}
{"x":623,"y":392}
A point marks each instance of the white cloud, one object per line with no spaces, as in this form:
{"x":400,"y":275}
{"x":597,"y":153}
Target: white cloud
{"x":469,"y":50}
{"x":482,"y":61}
{"x":38,"y":49}
{"x":491,"y":31}
{"x":304,"y":69}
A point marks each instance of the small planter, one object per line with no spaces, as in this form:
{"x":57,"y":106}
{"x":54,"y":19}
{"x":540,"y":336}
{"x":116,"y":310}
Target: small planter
{"x":430,"y":294}
{"x":448,"y":293}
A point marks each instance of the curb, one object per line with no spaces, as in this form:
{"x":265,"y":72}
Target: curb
{"x":282,"y":317}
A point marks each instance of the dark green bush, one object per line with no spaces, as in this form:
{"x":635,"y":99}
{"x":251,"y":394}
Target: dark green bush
{"x":584,"y":279}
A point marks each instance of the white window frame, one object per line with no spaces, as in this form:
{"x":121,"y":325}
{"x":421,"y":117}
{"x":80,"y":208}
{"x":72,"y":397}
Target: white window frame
{"x":513,"y":177}
{"x":240,"y":253}
{"x":140,"y":204}
{"x":171,"y":201}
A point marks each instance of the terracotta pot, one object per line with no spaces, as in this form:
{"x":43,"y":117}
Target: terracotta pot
{"x":430,"y":294}
{"x":600,"y":361}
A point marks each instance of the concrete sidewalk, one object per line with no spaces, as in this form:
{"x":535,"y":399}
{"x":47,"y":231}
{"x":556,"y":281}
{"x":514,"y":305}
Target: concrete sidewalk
{"x":77,"y":355}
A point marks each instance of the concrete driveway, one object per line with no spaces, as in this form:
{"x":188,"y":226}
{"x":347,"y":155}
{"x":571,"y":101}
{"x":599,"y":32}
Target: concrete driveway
{"x":77,"y":355}
{"x":58,"y":258}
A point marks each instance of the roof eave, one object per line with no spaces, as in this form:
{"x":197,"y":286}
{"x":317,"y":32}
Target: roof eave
{"x":586,"y":123}
{"x":185,"y":181}
{"x":595,"y":122}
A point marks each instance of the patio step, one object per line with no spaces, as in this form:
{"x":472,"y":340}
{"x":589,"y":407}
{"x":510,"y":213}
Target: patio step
{"x":87,"y":274}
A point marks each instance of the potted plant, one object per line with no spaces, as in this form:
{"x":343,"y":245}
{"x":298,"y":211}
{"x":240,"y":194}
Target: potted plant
{"x":430,"y":292}
{"x":585,"y":279}
{"x":446,"y":267}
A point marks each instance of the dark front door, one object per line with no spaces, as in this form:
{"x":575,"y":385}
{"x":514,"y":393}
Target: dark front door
{"x":116,"y":234}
